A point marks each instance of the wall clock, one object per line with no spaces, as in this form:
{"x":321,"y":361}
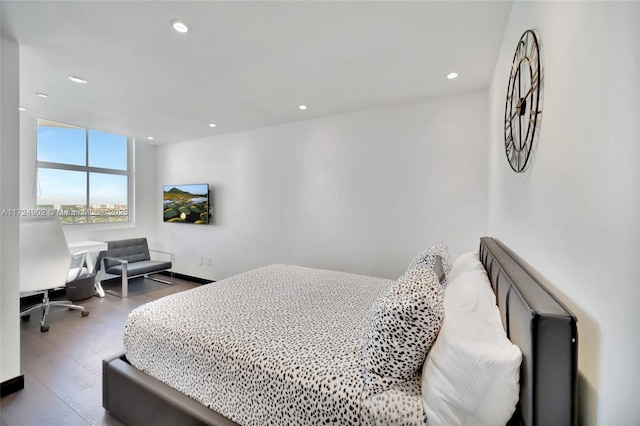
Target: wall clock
{"x":523,"y":107}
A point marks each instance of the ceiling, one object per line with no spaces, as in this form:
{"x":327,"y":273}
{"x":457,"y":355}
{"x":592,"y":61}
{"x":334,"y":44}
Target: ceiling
{"x":243,"y":65}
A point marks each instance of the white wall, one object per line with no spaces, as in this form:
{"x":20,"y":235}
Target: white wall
{"x":360,"y":192}
{"x":575,"y":215}
{"x":9,"y":197}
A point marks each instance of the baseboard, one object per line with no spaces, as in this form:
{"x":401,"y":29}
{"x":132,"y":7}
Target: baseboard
{"x":33,"y":299}
{"x":12,"y":385}
{"x":187,"y":277}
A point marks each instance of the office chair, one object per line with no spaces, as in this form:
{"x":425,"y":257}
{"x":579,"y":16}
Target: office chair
{"x":45,"y":264}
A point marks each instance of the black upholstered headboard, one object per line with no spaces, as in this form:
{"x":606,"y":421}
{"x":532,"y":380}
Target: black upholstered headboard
{"x":544,"y":329}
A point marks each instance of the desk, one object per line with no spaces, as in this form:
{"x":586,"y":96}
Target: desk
{"x":91,"y":247}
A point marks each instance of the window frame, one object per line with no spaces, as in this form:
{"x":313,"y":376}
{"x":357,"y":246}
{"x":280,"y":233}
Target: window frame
{"x":91,"y":169}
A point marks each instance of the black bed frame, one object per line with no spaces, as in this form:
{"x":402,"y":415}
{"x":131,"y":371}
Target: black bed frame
{"x":534,"y":319}
{"x":546,"y":333}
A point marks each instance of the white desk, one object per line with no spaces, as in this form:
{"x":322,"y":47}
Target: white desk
{"x":91,"y":247}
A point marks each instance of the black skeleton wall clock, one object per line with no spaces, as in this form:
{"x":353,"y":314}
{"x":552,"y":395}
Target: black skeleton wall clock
{"x":523,"y":107}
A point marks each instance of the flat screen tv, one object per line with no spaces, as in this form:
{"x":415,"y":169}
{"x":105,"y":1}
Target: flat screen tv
{"x":186,"y":203}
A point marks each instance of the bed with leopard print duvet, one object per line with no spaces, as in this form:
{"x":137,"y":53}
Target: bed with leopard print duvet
{"x":288,"y":345}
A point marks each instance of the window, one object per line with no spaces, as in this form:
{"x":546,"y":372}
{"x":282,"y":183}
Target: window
{"x":83,"y":175}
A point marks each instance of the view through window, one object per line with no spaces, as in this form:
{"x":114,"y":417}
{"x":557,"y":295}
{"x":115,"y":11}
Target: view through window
{"x":83,"y":174}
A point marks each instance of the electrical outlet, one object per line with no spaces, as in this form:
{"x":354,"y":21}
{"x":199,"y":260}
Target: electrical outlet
{"x":209,"y":261}
{"x":200,"y":259}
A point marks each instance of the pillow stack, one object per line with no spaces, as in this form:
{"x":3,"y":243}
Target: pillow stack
{"x":404,"y":323}
{"x":471,"y":375}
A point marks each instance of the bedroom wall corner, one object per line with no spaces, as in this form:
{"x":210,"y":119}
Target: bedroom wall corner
{"x":9,"y":199}
{"x":637,"y":169}
{"x":575,"y":215}
{"x":360,"y":192}
{"x":145,"y":191}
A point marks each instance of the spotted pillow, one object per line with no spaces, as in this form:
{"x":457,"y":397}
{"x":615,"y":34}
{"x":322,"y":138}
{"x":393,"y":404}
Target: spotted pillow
{"x":400,"y":329}
{"x":434,"y":257}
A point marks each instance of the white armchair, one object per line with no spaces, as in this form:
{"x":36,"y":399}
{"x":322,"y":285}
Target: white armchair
{"x":45,"y":264}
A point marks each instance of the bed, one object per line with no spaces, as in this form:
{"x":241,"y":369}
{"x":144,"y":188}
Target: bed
{"x":543,"y":329}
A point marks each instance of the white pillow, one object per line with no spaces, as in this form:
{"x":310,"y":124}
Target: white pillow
{"x":471,"y":375}
{"x":471,"y":291}
{"x":465,"y":262}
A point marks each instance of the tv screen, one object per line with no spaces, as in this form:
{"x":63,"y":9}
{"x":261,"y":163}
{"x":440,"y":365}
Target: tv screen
{"x":186,"y":203}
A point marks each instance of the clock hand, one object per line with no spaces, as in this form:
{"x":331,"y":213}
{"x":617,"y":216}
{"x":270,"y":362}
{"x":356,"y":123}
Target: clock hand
{"x":528,"y":92}
{"x":514,"y":114}
{"x":519,"y":109}
{"x":523,"y":106}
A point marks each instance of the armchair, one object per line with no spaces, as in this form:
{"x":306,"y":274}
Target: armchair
{"x":45,"y":264}
{"x":131,"y":258}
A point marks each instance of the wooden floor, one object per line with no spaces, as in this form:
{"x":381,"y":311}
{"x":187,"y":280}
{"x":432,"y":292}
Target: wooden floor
{"x":63,"y":367}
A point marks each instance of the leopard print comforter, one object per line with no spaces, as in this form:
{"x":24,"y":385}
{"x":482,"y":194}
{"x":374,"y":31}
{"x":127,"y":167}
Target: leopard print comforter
{"x":279,"y":345}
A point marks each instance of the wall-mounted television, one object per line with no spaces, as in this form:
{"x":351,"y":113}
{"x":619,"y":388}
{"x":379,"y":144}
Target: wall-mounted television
{"x":186,"y":203}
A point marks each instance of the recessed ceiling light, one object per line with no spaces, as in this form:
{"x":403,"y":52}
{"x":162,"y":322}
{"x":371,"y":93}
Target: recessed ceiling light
{"x":452,"y":75}
{"x":22,"y":109}
{"x":76,"y":79}
{"x":212,"y":125}
{"x":42,"y":95}
{"x":180,"y":26}
{"x":302,"y":107}
{"x":151,"y":138}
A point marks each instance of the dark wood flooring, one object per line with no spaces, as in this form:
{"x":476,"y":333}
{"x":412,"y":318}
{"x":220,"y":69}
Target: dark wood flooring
{"x":63,"y":367}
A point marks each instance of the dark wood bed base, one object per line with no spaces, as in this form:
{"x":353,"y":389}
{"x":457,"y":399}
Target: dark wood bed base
{"x":534,"y":319}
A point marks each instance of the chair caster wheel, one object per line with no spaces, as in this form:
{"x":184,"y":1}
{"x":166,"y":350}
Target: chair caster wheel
{"x":85,"y":313}
{"x":44,"y":328}
{"x":25,"y":317}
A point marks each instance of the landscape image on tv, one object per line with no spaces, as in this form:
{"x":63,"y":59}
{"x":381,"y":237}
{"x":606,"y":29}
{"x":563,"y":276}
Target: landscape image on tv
{"x":186,"y":203}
